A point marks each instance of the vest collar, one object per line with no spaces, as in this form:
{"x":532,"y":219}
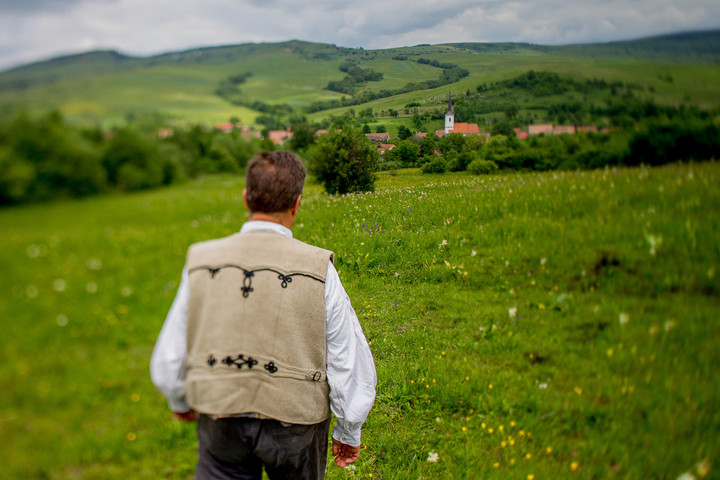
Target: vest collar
{"x":262,"y":226}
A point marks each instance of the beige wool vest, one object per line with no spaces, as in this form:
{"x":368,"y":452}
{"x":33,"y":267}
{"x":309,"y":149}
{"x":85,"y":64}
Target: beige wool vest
{"x":256,"y":328}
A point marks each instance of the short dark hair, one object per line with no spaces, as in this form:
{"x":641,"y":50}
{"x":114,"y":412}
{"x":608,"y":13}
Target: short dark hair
{"x":273,"y":181}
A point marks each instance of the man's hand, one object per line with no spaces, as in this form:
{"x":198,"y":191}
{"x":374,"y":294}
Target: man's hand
{"x":189,"y":416}
{"x":344,"y":454}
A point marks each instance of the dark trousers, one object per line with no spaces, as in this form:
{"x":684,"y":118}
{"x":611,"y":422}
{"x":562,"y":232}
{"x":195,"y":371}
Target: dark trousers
{"x":238,"y":448}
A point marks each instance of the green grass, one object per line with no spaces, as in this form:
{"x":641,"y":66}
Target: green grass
{"x":521,"y":324}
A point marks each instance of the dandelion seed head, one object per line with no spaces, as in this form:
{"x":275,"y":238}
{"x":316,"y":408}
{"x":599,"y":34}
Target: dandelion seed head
{"x":62,"y":320}
{"x":59,"y":285}
{"x":91,"y":287}
{"x":433,"y":457}
{"x":93,"y":264}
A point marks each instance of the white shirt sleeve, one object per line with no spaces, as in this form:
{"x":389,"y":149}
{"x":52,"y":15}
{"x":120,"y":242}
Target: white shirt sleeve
{"x":167,"y":364}
{"x":350,"y":366}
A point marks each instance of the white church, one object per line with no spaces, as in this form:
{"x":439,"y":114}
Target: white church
{"x":452,"y":127}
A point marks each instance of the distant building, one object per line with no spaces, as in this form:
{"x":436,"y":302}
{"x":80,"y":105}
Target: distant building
{"x":522,"y":135}
{"x":383,"y":147}
{"x":587,"y":129}
{"x":378,"y":137}
{"x":546,"y":128}
{"x":550,"y":129}
{"x":225,"y":127}
{"x":456,"y":127}
{"x":564,"y":130}
{"x":278,"y":137}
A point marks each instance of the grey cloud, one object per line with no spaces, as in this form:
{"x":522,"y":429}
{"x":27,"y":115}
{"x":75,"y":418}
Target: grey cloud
{"x":32,"y":29}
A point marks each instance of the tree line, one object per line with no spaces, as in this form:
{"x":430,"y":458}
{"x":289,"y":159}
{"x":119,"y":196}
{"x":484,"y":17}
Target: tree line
{"x":45,"y":158}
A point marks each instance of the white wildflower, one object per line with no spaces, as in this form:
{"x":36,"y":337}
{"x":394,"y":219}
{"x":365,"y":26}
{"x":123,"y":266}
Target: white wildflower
{"x":512,"y":311}
{"x":543,"y":261}
{"x":62,"y":320}
{"x":687,"y":476}
{"x":93,"y":264}
{"x":59,"y":285}
{"x":473,"y":253}
{"x":655,"y":241}
{"x":543,"y":386}
{"x":624,"y":318}
{"x":126,"y":291}
{"x":432,"y":457}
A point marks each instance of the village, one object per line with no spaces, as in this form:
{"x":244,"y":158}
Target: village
{"x":382,"y":139}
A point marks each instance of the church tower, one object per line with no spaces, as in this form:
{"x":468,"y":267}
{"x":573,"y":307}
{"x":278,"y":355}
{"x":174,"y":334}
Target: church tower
{"x":449,"y":116}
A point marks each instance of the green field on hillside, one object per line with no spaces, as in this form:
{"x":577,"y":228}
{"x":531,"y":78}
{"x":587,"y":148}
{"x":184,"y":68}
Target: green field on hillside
{"x":106,"y":87}
{"x":524,"y":326}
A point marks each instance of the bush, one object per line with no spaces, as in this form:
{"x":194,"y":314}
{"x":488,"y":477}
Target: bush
{"x":480,"y":166}
{"x":132,"y":161}
{"x":405,"y":154}
{"x":436,"y":165}
{"x":345,"y":162}
{"x":461,"y":161}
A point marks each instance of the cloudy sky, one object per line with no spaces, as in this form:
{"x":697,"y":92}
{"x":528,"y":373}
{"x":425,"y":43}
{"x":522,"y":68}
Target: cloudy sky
{"x":32,"y":30}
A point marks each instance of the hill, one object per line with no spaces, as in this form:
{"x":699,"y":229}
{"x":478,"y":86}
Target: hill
{"x":210,"y":85}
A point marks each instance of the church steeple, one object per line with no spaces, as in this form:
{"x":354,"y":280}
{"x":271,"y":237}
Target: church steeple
{"x":449,"y":116}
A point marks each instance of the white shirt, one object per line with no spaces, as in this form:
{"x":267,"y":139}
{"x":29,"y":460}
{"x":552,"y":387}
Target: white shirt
{"x":350,"y":366}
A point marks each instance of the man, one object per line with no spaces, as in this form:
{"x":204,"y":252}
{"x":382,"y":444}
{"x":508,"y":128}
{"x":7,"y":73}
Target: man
{"x":262,"y":342}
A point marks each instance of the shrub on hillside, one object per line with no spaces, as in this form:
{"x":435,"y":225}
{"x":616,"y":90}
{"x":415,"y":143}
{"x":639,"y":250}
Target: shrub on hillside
{"x":480,"y":166}
{"x":436,"y":165}
{"x":345,"y":162}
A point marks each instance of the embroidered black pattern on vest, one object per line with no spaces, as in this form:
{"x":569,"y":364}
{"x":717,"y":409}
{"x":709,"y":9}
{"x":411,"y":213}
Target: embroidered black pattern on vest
{"x":239,"y":361}
{"x":270,"y":367}
{"x":248,"y":275}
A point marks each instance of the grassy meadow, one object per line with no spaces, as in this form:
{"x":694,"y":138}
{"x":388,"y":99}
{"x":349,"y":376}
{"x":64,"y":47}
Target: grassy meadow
{"x":524,"y":326}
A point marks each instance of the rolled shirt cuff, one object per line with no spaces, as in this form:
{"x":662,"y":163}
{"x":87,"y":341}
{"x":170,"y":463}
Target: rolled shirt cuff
{"x":178,"y":405}
{"x":347,"y":433}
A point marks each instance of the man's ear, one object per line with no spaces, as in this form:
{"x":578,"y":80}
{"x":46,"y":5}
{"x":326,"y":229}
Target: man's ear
{"x":245,"y":198}
{"x":296,"y":206}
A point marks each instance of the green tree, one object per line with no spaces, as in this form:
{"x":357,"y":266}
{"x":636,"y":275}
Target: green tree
{"x":303,"y":136}
{"x":404,"y":132}
{"x":345,"y":162}
{"x":405,"y":154}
